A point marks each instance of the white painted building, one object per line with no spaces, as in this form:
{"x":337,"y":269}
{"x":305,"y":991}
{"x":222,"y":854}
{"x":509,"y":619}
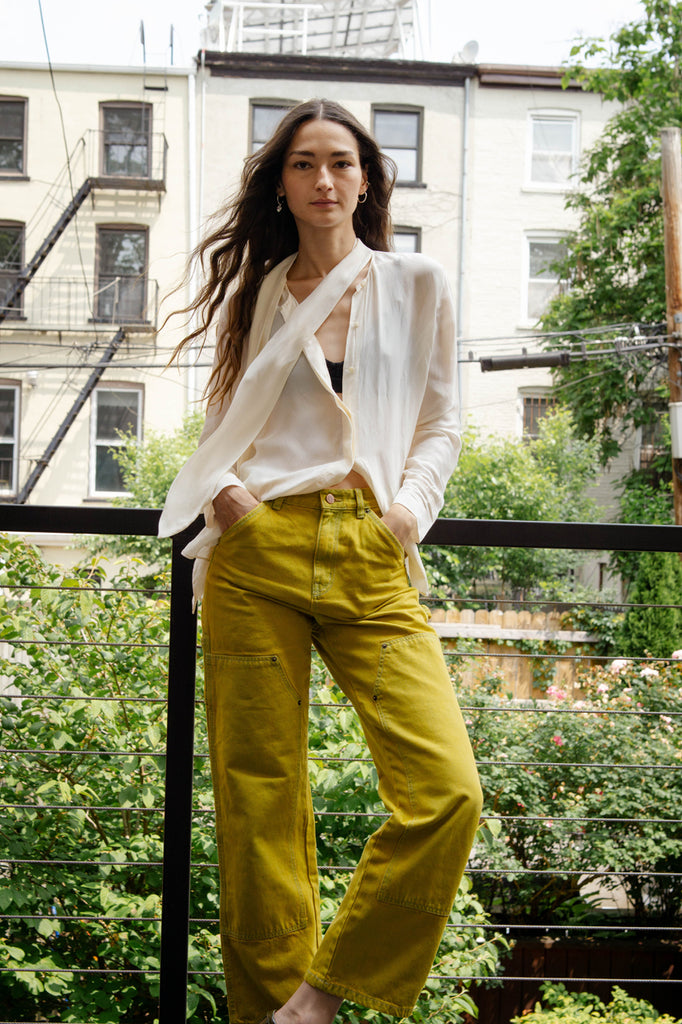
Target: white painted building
{"x":94,"y":203}
{"x":485,"y":154}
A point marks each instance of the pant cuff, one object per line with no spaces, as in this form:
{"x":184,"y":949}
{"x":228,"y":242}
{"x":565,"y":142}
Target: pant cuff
{"x":362,"y":998}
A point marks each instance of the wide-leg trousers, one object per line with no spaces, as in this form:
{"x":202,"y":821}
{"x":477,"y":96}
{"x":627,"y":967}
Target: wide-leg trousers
{"x":322,"y":569}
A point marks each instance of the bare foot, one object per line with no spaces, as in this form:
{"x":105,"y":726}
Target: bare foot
{"x":308,"y":1005}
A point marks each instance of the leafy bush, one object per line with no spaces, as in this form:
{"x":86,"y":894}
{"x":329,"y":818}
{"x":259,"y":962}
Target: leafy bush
{"x":565,"y":1007}
{"x":551,"y":812}
{"x":93,"y":661}
{"x":545,"y":478}
{"x":657,"y":585}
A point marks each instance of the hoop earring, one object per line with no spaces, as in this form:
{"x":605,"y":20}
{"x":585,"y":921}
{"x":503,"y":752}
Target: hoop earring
{"x":279,"y":205}
{"x":362,"y":198}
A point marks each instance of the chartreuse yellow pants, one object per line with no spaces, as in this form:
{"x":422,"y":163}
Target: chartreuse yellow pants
{"x":321,"y":569}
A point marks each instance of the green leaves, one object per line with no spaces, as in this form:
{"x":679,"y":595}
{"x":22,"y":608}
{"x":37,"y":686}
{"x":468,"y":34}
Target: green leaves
{"x":614,"y":259}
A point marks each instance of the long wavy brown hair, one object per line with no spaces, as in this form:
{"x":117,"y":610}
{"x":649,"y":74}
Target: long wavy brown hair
{"x":251,"y":237}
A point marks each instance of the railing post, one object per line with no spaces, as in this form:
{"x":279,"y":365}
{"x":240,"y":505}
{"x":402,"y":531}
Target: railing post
{"x":177,"y":835}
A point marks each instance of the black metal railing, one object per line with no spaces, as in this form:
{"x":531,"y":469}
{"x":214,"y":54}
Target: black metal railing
{"x":179,"y":756}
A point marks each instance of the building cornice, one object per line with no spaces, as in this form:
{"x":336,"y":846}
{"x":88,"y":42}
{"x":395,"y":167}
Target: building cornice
{"x":522,"y":76}
{"x":259,"y":65}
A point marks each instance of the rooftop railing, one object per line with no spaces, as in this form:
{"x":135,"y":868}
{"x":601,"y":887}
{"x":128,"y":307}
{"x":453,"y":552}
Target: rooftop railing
{"x":71,"y":683}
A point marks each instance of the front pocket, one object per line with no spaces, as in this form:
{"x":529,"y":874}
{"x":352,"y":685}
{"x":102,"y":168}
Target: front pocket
{"x":248,"y":517}
{"x":387,"y":533}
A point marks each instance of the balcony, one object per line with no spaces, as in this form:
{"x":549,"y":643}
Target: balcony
{"x":72,"y":304}
{"x":107,"y":809}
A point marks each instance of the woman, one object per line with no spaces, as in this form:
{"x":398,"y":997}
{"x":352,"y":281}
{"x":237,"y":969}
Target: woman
{"x":330,"y":435}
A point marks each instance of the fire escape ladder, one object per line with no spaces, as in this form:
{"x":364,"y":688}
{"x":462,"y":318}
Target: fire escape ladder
{"x":43,"y":462}
{"x":47,"y":246}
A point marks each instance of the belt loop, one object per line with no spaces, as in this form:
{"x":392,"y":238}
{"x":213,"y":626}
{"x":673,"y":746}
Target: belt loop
{"x":359,"y":503}
{"x":277,"y":503}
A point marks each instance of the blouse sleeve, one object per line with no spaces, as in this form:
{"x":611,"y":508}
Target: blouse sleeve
{"x":436,"y":442}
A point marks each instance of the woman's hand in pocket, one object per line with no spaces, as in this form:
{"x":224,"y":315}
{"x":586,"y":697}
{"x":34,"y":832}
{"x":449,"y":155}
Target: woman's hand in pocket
{"x":401,"y":522}
{"x":231,"y":504}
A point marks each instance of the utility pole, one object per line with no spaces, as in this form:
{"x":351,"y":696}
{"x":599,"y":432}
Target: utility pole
{"x":671,"y":166}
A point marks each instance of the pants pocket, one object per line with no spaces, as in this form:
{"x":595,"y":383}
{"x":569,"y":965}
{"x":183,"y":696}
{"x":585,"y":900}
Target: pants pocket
{"x":255,"y":724}
{"x":387,"y":534}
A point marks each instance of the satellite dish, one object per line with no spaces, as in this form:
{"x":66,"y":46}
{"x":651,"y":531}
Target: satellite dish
{"x":470,"y":52}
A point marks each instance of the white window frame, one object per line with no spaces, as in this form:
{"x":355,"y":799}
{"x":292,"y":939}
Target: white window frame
{"x":570,"y":117}
{"x":279,"y":104}
{"x":548,"y":237}
{"x":8,"y":385}
{"x":96,"y":443}
{"x":537,"y":392}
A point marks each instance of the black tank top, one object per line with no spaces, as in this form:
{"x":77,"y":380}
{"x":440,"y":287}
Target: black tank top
{"x":336,"y":375}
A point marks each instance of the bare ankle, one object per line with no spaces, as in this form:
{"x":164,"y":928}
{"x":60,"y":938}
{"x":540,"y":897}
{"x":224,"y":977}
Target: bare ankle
{"x":308,"y":1005}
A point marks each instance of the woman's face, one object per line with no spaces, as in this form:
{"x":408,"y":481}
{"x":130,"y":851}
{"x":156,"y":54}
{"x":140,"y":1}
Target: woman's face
{"x":322,"y":176}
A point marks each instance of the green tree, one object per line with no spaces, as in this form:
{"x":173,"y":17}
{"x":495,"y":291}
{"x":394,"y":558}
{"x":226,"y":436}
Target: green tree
{"x":658,"y":586}
{"x":546,"y":478}
{"x":614,"y":259}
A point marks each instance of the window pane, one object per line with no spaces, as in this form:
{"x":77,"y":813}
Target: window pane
{"x":6,"y":466}
{"x":552,"y":150}
{"x":549,"y":136}
{"x":12,"y":135}
{"x":542,"y":255}
{"x":406,"y":241}
{"x":265,"y":119}
{"x":534,"y":408}
{"x":116,"y":411}
{"x":8,"y":397}
{"x":539,"y":294}
{"x":107,"y":471}
{"x":406,"y":160}
{"x":126,"y":140}
{"x":122,"y":252}
{"x":11,"y":155}
{"x":12,"y":119}
{"x":121,"y":283}
{"x":10,"y":246}
{"x":396,"y":128}
{"x":552,"y":167}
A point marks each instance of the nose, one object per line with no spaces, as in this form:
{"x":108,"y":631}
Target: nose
{"x":323,"y":179}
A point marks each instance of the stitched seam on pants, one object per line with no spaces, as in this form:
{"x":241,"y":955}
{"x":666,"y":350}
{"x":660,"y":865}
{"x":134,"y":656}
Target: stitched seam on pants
{"x":301,"y":919}
{"x":330,"y":555}
{"x":413,"y":903}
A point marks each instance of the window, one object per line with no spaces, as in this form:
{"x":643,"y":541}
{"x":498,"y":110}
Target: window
{"x":398,"y":133}
{"x":121,"y":285}
{"x":542,"y":282}
{"x":553,"y":148}
{"x":407,"y":239}
{"x":126,"y":139}
{"x":652,"y":444}
{"x":265,"y":116}
{"x":12,"y":136}
{"x":9,"y":437}
{"x":535,"y":406}
{"x":11,"y":263}
{"x":116,"y":410}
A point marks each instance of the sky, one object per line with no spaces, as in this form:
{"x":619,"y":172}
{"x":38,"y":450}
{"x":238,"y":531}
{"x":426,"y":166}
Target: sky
{"x":538,"y":32}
